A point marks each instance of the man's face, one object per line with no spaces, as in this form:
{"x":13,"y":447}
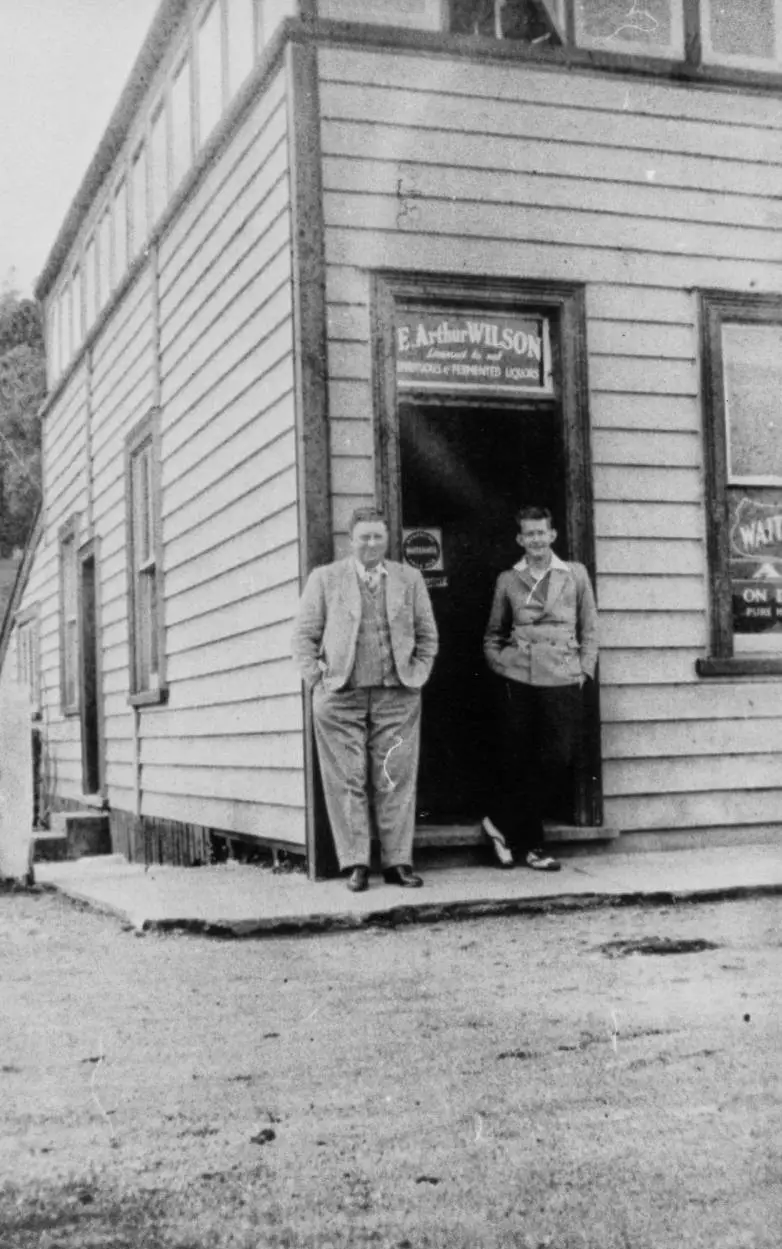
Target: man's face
{"x":369,"y":542}
{"x":536,"y":537}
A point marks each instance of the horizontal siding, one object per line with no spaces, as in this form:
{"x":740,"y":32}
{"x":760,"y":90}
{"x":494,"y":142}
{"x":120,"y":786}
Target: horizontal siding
{"x":65,"y":478}
{"x":226,"y":751}
{"x":643,"y":193}
{"x":257,"y":819}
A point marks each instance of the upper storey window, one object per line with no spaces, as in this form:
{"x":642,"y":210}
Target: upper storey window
{"x":209,"y":71}
{"x":746,"y":33}
{"x":241,"y":42}
{"x":654,"y":27}
{"x":532,"y":21}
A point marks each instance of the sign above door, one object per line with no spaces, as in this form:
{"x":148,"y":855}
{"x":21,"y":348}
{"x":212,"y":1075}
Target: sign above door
{"x":477,"y":353}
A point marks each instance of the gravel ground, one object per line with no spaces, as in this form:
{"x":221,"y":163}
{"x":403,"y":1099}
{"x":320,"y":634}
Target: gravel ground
{"x":577,"y":1081}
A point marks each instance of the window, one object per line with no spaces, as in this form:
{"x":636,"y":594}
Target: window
{"x":120,"y":233}
{"x":27,"y":655}
{"x":104,"y":260}
{"x":77,"y":310}
{"x":65,"y":326}
{"x":53,"y":340}
{"x":531,"y":21}
{"x":209,"y":53}
{"x":138,"y":206}
{"x":144,"y":570}
{"x":260,"y":25}
{"x":655,"y":27}
{"x":181,"y":123}
{"x":69,"y":617}
{"x":158,"y":164}
{"x":746,"y":33}
{"x":90,"y":283}
{"x":241,"y":42}
{"x":742,"y":354}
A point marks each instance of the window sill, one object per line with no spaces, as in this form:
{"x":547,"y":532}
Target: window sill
{"x":733,"y":666}
{"x":70,"y":712}
{"x":149,"y":698}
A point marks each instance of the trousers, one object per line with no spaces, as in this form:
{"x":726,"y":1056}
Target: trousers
{"x":368,"y":743}
{"x":541,"y":728}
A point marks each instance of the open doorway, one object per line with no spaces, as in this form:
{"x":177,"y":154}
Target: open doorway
{"x":89,"y":702}
{"x":464,"y":472}
{"x":461,"y":448}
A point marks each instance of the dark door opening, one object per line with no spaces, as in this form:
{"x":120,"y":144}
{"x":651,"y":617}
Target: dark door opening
{"x":90,"y":734}
{"x":466,"y":470}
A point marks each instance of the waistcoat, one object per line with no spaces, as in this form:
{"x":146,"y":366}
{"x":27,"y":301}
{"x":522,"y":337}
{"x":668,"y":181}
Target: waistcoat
{"x":374,"y":664}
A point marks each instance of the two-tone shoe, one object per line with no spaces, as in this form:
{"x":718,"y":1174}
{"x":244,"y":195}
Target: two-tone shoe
{"x":502,"y":852}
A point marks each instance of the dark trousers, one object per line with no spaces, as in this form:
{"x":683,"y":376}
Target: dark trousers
{"x":541,"y":729}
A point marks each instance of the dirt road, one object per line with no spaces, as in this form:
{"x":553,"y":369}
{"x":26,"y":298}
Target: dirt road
{"x":517,"y":1082}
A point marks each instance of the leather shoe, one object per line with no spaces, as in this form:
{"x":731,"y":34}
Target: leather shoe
{"x":358,"y":880}
{"x":404,"y":876}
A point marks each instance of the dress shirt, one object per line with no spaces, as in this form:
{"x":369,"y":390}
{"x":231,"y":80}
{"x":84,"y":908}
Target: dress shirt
{"x":370,"y":576}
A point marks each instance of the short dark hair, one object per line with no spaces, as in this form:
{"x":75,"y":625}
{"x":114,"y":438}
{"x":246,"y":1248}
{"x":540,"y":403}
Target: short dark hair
{"x":364,"y":514}
{"x":533,"y":512}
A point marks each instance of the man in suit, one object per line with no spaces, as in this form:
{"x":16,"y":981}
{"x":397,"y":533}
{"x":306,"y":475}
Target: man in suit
{"x":365,"y":641}
{"x":541,"y":639}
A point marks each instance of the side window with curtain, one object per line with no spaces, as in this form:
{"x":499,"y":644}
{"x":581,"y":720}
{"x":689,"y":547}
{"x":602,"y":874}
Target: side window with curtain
{"x":147,"y":681}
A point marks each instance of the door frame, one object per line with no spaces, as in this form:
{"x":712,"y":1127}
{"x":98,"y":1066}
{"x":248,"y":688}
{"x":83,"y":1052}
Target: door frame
{"x":89,"y":553}
{"x":565,"y":304}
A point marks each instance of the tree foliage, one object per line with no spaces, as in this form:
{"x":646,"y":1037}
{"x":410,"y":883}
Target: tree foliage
{"x":22,"y":391}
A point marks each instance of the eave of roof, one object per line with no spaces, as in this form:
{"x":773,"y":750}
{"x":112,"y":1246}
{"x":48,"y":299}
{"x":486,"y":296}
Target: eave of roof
{"x":163,"y":25}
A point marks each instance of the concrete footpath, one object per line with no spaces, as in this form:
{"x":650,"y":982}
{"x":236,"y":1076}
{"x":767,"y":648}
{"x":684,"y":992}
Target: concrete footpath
{"x":243,"y":900}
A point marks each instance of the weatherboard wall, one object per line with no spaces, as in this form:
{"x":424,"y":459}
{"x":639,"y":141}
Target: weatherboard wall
{"x":645,"y":192}
{"x":204,"y":331}
{"x":225,"y":751}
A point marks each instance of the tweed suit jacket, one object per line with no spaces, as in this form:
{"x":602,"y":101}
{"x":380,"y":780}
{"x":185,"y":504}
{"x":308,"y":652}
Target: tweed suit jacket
{"x":543,"y":644}
{"x":329,"y":615}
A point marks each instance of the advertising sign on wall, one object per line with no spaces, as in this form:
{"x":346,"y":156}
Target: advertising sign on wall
{"x":756,"y":560}
{"x":484,"y":353}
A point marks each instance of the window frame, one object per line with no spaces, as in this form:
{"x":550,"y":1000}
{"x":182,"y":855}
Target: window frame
{"x":675,"y":51}
{"x":699,"y":57}
{"x":68,"y":537}
{"x":138,"y":167}
{"x":232,"y":32}
{"x":557,"y":28}
{"x":739,"y":60}
{"x":718,"y":308}
{"x":53,"y":344}
{"x":66,"y":328}
{"x":29,"y":619}
{"x":145,"y":434}
{"x":183,"y":63}
{"x":202,"y":17}
{"x":90,"y":281}
{"x":119,"y":231}
{"x":103,"y":254}
{"x":77,"y":307}
{"x":158,"y":114}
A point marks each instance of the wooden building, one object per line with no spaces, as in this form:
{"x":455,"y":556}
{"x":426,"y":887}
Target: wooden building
{"x":451,"y":256}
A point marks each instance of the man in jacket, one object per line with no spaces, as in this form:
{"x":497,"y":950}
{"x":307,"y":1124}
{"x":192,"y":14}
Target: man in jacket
{"x":541,"y":639}
{"x":364,"y":641}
